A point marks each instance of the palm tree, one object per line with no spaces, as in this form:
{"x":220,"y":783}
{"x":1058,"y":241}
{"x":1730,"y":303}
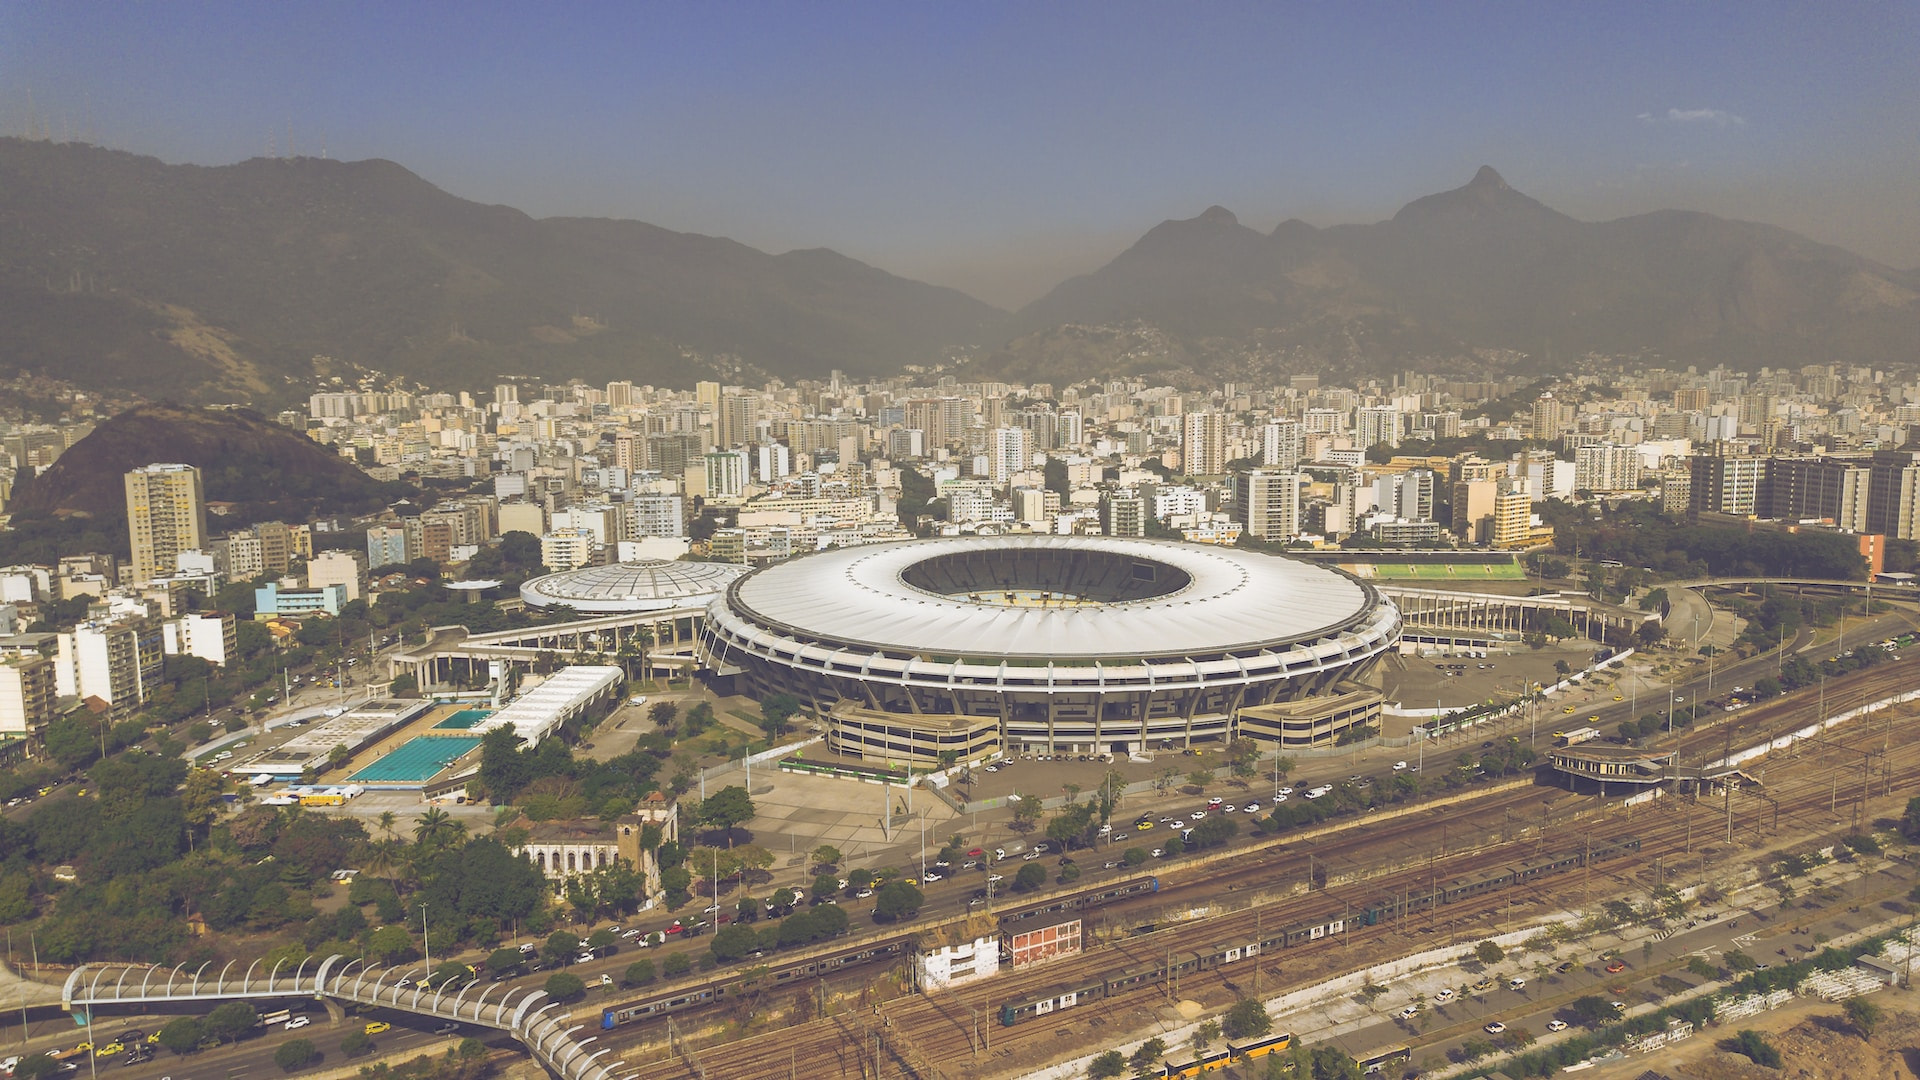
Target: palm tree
{"x":436,"y":827}
{"x":387,"y":819}
{"x":383,"y":859}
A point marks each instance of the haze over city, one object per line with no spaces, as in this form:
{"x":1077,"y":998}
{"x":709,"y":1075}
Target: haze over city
{"x":1001,"y":148}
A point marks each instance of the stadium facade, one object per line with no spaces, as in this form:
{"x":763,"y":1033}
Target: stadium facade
{"x":1049,"y":644}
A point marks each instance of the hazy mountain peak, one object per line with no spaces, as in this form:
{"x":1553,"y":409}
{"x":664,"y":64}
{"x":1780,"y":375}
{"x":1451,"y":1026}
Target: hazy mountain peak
{"x":1487,"y":177}
{"x":1218,"y":215}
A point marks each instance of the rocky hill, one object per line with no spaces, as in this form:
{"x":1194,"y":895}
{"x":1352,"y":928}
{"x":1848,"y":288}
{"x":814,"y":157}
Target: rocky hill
{"x":223,"y":283}
{"x":266,"y":470}
{"x":1484,"y":267}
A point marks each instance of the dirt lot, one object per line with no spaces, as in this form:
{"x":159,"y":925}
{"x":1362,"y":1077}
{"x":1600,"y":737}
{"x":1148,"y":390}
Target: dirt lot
{"x":1814,"y":1041}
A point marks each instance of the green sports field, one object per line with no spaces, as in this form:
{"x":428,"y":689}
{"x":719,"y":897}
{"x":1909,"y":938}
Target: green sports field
{"x":1450,"y":571}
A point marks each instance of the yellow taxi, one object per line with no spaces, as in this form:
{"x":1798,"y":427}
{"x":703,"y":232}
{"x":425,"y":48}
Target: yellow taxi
{"x":377,"y":1026}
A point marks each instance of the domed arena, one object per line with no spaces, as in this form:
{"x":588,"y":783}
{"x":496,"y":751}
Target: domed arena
{"x":1056,"y":644}
{"x":622,"y":588}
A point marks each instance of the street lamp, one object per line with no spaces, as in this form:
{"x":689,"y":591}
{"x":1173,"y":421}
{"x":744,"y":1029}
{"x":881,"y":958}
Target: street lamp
{"x":426,"y":946}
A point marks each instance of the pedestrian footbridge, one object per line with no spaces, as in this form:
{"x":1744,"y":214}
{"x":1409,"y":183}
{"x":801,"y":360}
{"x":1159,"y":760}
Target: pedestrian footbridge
{"x":538,"y":1022}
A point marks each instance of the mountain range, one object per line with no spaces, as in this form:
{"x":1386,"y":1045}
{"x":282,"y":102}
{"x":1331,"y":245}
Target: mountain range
{"x":227,"y":283}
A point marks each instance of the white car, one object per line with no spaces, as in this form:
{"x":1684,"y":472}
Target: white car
{"x":1196,"y":815}
{"x":1228,"y":809}
{"x":1496,"y":1028}
{"x":1286,"y":791}
{"x":1278,"y":799}
{"x":1399,"y":766}
{"x":933,"y":875}
{"x":1409,"y":1012}
{"x":1252,"y":808}
{"x":297,"y":1022}
{"x":1105,"y":829}
{"x":1444,"y":995}
{"x":1516,"y":983}
{"x":1556,"y":1025}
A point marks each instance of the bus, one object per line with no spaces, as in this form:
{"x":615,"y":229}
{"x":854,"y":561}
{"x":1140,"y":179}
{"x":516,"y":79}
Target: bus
{"x":279,"y":1017}
{"x":1381,"y":1062}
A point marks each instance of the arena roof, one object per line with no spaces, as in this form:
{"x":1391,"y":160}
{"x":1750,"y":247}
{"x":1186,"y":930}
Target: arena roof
{"x":645,"y":585}
{"x":1230,"y":600}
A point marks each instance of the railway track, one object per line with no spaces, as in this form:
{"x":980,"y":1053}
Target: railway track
{"x":956,"y":1035}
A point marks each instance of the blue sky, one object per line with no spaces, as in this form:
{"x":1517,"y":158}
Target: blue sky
{"x":1002,"y":147}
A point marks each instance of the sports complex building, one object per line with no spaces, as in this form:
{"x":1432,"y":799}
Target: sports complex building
{"x":1053,"y":644}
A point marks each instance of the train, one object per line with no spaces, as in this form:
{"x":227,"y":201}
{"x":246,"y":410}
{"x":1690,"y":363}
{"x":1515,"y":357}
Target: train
{"x":1238,"y":1051}
{"x":1174,"y":965}
{"x":693,"y":997}
{"x":1119,"y":890}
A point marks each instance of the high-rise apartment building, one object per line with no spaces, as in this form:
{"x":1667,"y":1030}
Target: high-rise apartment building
{"x":1203,"y":443}
{"x":1377,"y":424}
{"x":1123,"y":513}
{"x":1266,"y":502}
{"x":28,"y":695}
{"x":386,"y":545}
{"x":1606,"y":468}
{"x":1513,"y":516}
{"x":1473,"y":506}
{"x":1010,"y":452}
{"x":166,"y":515}
{"x":1893,"y":499}
{"x":1282,"y":445}
{"x":1728,"y":484}
{"x":1547,"y":417}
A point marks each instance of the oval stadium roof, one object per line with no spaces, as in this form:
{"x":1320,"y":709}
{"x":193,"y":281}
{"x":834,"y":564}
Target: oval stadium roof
{"x":646,"y":585}
{"x":1232,"y":601}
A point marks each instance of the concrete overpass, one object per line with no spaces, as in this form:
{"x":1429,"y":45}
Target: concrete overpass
{"x":534,"y":1020}
{"x":451,"y":654}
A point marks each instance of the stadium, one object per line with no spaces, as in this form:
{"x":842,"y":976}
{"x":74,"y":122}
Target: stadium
{"x":1053,"y":644}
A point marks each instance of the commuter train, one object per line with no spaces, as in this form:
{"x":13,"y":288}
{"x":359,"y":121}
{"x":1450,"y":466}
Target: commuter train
{"x":1119,"y":890}
{"x":1093,"y":987}
{"x":720,"y":989}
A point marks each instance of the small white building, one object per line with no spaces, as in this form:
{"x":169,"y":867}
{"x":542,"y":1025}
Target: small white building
{"x":958,"y":963}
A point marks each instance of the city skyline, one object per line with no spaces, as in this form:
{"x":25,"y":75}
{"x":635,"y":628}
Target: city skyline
{"x":1001,"y":150}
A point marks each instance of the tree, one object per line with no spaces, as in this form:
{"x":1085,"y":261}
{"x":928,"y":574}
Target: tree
{"x":602,"y":939}
{"x":356,"y":1043}
{"x":1864,"y":1015}
{"x":676,"y":965}
{"x":825,"y":885}
{"x":35,"y":1066}
{"x":1200,"y":778}
{"x":180,"y":1036}
{"x":664,"y":714}
{"x":230,"y":1021}
{"x":1489,"y":953}
{"x":775,"y":711}
{"x":1243,"y":757}
{"x":638,"y":973}
{"x":562,"y":986}
{"x":897,"y":900}
{"x":1031,"y":876}
{"x":390,"y":944}
{"x":1910,"y":820}
{"x":1110,"y":1063}
{"x":295,"y":1054}
{"x":1247,"y":1019}
{"x":501,"y":961}
{"x":1205,"y":1034}
{"x":1755,"y":1046}
{"x":436,"y":828}
{"x":728,"y":808}
{"x":733,"y":942}
{"x":1026,"y":810}
{"x":336,"y":757}
{"x":1134,"y":856}
{"x":1149,"y":1053}
{"x":560,"y":948}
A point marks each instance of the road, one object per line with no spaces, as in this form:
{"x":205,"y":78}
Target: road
{"x":249,"y":1059}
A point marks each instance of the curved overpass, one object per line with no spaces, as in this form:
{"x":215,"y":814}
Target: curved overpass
{"x":529,"y":1017}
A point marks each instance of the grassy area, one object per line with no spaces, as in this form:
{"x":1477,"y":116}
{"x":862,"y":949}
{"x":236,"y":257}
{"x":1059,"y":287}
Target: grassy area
{"x":1507,"y":571}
